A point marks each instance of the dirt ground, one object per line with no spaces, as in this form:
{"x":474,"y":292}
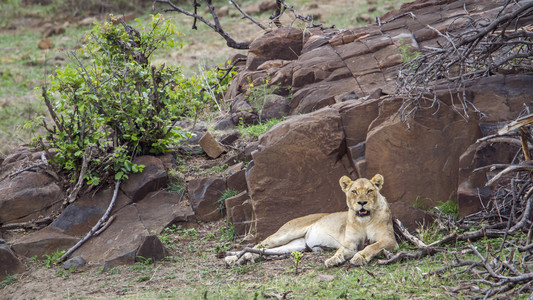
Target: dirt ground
{"x":191,"y":267}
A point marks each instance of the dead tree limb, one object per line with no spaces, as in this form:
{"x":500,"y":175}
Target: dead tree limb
{"x":408,"y":255}
{"x":215,"y":25}
{"x":34,"y":224}
{"x":95,"y":227}
{"x":408,"y":236}
{"x":481,"y":49}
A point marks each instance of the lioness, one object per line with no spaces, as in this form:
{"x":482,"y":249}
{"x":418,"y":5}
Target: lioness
{"x":368,"y":218}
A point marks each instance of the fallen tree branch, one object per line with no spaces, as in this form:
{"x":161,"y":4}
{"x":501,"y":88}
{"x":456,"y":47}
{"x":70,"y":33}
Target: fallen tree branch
{"x":408,"y":236}
{"x":33,"y":224}
{"x":407,"y":255}
{"x":230,"y":42}
{"x":95,"y":227}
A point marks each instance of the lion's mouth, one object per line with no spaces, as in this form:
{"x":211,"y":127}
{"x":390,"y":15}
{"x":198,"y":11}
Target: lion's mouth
{"x":362,"y":213}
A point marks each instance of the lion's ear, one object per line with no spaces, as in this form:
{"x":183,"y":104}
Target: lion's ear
{"x":345,"y":182}
{"x":377,"y":180}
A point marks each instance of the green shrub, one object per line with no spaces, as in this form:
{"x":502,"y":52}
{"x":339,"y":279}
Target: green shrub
{"x":117,"y":105}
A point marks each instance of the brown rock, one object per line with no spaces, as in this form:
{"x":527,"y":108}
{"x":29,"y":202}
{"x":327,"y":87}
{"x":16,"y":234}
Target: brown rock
{"x":356,"y":117}
{"x":240,"y":213}
{"x":237,"y":181}
{"x":472,"y":194}
{"x":45,"y":44}
{"x":162,"y":208}
{"x":422,"y":161}
{"x":44,"y":241}
{"x":204,"y":194}
{"x":318,"y":95}
{"x":151,"y":248}
{"x":308,"y":154}
{"x":27,"y":196}
{"x":118,"y":244}
{"x":211,"y":147}
{"x":283,"y":43}
{"x":412,"y":218}
{"x":152,"y":178}
{"x":275,"y":107}
{"x":9,"y":263}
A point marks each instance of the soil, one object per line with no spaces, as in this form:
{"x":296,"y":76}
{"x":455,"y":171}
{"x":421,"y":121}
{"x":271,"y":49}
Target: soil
{"x":192,"y":266}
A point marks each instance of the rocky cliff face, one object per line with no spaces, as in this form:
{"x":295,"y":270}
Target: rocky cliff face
{"x":343,"y":82}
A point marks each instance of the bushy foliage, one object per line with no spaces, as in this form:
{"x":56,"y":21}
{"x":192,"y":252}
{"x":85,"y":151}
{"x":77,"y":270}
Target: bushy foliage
{"x":112,"y":104}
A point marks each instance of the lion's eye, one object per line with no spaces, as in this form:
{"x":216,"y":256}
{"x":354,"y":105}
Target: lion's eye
{"x":354,"y":192}
{"x":369,"y":191}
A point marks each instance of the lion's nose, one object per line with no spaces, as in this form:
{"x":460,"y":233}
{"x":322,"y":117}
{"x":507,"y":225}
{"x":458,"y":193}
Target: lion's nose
{"x":362,"y":202}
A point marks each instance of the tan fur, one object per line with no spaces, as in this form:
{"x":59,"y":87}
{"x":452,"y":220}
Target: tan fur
{"x":345,"y":231}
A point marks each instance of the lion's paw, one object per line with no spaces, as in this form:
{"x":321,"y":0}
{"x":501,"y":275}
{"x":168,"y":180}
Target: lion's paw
{"x":333,"y":261}
{"x":358,"y":260}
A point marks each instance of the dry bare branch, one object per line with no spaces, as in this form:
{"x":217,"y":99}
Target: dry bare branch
{"x":95,"y":227}
{"x":482,"y":49}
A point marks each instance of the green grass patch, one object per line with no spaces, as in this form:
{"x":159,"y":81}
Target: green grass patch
{"x":259,"y":129}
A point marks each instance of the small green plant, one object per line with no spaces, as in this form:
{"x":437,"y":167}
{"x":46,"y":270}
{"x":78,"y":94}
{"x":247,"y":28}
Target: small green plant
{"x":450,"y":208}
{"x":407,"y":51}
{"x":259,"y":94}
{"x":228,"y":193}
{"x":8,"y":280}
{"x":50,"y":259}
{"x":143,"y":278}
{"x":297,"y":258}
{"x":143,"y":264}
{"x":259,"y":129}
{"x":176,"y":183}
{"x":227,"y":238}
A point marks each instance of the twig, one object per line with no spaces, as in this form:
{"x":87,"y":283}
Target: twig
{"x":408,"y":236}
{"x":95,"y":227}
{"x":247,"y":15}
{"x":74,"y":193}
{"x":407,"y":255}
{"x":28,"y":225}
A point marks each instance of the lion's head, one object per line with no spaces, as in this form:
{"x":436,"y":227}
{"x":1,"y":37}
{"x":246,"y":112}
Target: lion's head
{"x":362,"y":195}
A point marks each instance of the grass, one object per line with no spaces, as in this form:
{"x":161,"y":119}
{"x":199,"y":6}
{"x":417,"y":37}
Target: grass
{"x":8,"y":280}
{"x":259,"y":129}
{"x":192,"y":271}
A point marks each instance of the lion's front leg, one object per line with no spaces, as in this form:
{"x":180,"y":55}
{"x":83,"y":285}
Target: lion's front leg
{"x":364,"y":256}
{"x":339,"y":257}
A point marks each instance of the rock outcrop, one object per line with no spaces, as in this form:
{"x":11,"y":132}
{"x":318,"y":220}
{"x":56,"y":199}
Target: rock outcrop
{"x":343,"y":82}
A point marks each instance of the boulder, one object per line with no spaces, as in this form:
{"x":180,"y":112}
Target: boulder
{"x":211,"y":147}
{"x":151,"y":248}
{"x":9,"y":263}
{"x":204,"y":195}
{"x":237,"y":181}
{"x":422,"y":160}
{"x":472,"y":194}
{"x":411,"y":218}
{"x":308,"y":153}
{"x":75,"y":262}
{"x":45,"y":241}
{"x":282,"y":43}
{"x":27,"y":196}
{"x":240,"y":213}
{"x":152,"y":178}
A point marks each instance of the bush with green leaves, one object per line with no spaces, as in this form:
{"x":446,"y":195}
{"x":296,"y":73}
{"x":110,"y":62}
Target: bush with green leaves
{"x":111,"y":104}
